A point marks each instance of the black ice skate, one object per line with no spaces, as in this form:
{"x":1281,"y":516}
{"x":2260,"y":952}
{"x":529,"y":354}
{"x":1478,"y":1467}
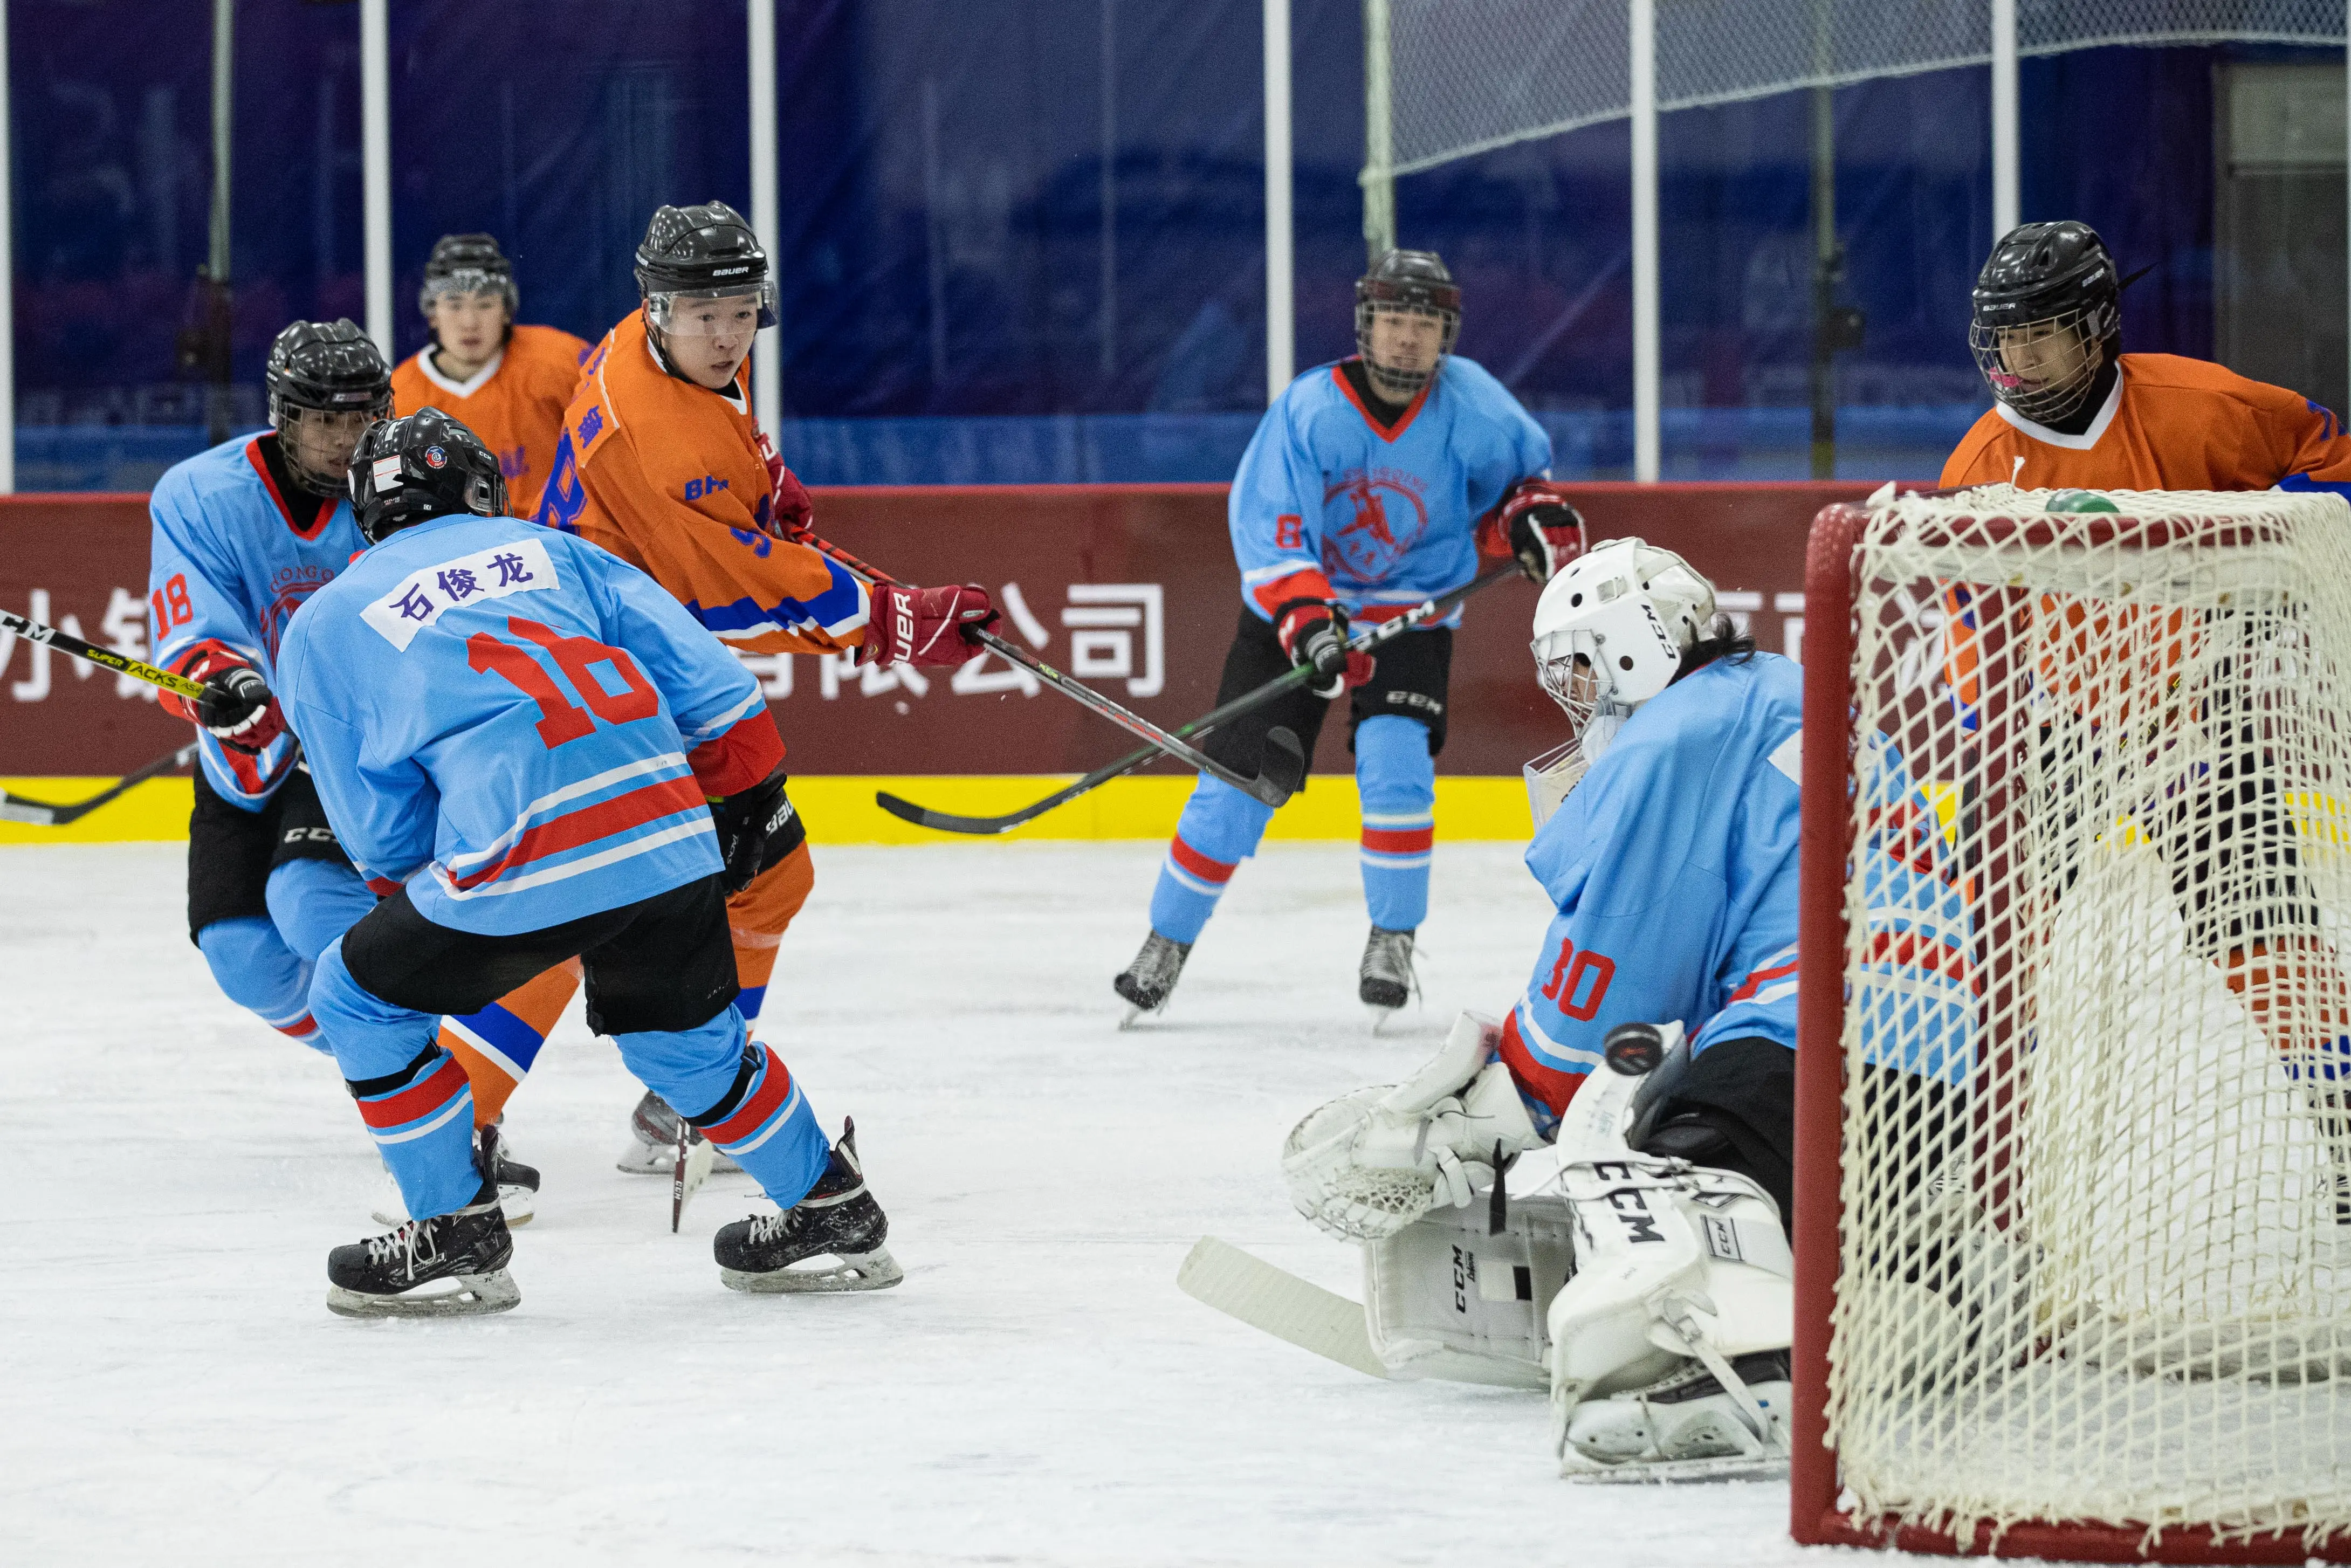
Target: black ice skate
{"x":1151,"y":978}
{"x":652,"y":1140}
{"x":451,"y":1265}
{"x":838,"y":1219}
{"x":1387,"y":980}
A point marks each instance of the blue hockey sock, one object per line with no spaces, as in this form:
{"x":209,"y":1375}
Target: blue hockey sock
{"x":755,"y":1112}
{"x":1219,"y":829}
{"x":257,"y":970}
{"x":1397,"y":779}
{"x":314,"y":902}
{"x":412,"y":1095}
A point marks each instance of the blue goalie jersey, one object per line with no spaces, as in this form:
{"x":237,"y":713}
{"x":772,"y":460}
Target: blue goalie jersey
{"x":499,"y":716}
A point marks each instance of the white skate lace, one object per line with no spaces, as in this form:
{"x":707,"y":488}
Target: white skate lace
{"x":416,"y":1243}
{"x":767,"y":1227}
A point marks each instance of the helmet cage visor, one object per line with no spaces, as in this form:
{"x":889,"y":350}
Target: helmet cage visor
{"x":2043,"y":368}
{"x":467,"y":280}
{"x":1369,"y":306}
{"x":317,"y":442}
{"x":1568,"y":666}
{"x":675,"y":310}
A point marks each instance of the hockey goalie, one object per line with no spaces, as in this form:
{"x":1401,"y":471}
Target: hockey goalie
{"x":1635,"y":1261}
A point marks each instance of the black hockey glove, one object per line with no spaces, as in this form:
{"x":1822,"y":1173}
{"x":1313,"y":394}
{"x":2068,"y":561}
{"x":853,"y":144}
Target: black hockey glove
{"x":1314,"y":632}
{"x":745,"y":820}
{"x":238,"y":707}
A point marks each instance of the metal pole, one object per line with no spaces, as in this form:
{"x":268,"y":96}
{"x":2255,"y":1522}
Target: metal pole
{"x":8,"y":280}
{"x":375,"y":166}
{"x":1280,"y":327}
{"x":1109,"y":176}
{"x":1644,"y":26}
{"x":1827,"y":263}
{"x":2006,"y":204}
{"x":213,"y":335}
{"x":767,"y":214}
{"x":1379,"y":134}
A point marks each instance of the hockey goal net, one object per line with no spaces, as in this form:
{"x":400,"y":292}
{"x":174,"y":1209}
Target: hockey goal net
{"x":2073,"y":1271}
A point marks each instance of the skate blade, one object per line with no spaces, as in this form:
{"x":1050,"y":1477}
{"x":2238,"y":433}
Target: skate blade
{"x":1575,"y":1467}
{"x":475,"y":1295}
{"x":874,"y":1270}
{"x":1380,"y":1016}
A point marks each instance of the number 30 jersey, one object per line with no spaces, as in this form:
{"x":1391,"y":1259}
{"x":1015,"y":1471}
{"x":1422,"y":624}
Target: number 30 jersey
{"x":517,"y":725}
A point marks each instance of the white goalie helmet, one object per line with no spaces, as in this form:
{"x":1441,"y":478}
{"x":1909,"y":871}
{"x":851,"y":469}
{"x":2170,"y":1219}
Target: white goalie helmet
{"x":1627,"y":610}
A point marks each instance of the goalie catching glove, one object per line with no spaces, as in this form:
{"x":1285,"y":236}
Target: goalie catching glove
{"x":1368,"y":1163}
{"x":927,"y":626}
{"x":1534,"y":523}
{"x":1315,"y":632}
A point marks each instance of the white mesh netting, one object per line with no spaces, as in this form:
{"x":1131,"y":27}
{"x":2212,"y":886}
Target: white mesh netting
{"x":2092,"y":1265}
{"x":1472,"y":74}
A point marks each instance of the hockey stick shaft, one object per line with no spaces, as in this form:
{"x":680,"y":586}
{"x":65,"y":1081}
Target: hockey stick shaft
{"x":121,"y":663}
{"x":42,"y":814}
{"x":1291,"y":680}
{"x":1273,"y":787}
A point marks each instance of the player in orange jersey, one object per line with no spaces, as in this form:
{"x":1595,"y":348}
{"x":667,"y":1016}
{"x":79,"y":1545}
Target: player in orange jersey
{"x":507,"y":384}
{"x":2073,"y":411}
{"x":662,"y":463}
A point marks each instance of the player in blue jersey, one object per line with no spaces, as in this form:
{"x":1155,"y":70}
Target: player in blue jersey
{"x":520,"y":739}
{"x":1672,"y":866}
{"x":243,"y":534}
{"x":1371,"y":485}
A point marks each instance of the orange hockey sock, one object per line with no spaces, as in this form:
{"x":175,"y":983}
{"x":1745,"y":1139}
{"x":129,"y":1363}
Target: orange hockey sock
{"x":497,"y":1045}
{"x":757,"y":918}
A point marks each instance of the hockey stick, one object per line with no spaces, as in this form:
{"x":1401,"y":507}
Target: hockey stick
{"x":42,"y":814}
{"x":1418,"y":615}
{"x":1221,"y":1275}
{"x":121,"y":663}
{"x":1286,"y":766}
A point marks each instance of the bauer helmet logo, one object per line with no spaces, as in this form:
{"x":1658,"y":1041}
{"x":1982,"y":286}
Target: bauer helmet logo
{"x":435,"y":458}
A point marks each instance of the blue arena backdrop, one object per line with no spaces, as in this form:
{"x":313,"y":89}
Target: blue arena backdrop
{"x":1024,"y":244}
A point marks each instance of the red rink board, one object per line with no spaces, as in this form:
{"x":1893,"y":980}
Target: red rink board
{"x":1095,"y":566}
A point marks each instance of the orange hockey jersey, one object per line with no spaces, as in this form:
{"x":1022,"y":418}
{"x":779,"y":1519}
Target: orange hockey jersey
{"x":2170,"y":423}
{"x":515,"y":404}
{"x":668,"y":476}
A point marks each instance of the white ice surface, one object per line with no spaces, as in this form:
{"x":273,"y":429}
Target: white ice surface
{"x":172,"y":1388}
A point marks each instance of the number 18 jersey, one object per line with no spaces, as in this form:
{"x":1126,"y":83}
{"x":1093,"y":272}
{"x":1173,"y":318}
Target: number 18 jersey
{"x":501,"y":716}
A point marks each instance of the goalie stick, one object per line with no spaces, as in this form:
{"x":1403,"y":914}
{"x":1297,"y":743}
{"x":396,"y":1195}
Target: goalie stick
{"x":1221,"y":1275}
{"x":42,"y":814}
{"x":1367,"y":641}
{"x":1286,"y":766}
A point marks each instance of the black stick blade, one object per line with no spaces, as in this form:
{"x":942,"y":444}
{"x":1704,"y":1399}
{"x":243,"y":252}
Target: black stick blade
{"x":942,"y":821}
{"x":1282,"y":770}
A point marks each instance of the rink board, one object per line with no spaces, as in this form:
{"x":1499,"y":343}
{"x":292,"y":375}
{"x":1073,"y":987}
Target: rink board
{"x":839,"y":809}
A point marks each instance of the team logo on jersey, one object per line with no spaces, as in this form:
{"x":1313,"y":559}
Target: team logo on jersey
{"x":435,"y":458}
{"x":1385,"y":519}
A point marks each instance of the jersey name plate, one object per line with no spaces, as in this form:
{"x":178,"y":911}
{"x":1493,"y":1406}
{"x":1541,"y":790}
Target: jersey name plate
{"x":429,"y":591}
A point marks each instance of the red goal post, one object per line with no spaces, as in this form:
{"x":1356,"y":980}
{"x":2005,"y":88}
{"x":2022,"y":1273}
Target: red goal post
{"x":2067,"y":1128}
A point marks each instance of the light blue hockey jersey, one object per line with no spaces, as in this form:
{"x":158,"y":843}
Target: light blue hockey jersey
{"x":1379,"y":521}
{"x":230,"y":562}
{"x":499,"y":716}
{"x":1674,"y":867}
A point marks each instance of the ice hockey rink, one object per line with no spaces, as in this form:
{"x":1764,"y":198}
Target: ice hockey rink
{"x":1036,"y":1391}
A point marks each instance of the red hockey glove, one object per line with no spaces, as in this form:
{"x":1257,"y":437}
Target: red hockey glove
{"x":1311,"y":632}
{"x":789,"y":507}
{"x":1533,"y":522}
{"x":238,"y":708}
{"x":926,"y":625}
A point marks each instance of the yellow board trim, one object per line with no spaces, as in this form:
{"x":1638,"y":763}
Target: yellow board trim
{"x":840,"y":808}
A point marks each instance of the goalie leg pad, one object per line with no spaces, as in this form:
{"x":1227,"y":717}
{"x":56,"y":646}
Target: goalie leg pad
{"x":1443,"y":1298}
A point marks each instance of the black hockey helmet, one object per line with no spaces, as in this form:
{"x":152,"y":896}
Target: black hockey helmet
{"x":2046,"y":281}
{"x":1407,"y":280}
{"x":705,"y":252}
{"x":426,"y":466}
{"x":322,"y":367}
{"x":468,"y":264}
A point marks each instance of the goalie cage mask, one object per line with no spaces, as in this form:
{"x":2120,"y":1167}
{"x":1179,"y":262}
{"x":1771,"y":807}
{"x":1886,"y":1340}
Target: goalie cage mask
{"x":2051,"y":288}
{"x":1628,"y":612}
{"x":426,"y":466}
